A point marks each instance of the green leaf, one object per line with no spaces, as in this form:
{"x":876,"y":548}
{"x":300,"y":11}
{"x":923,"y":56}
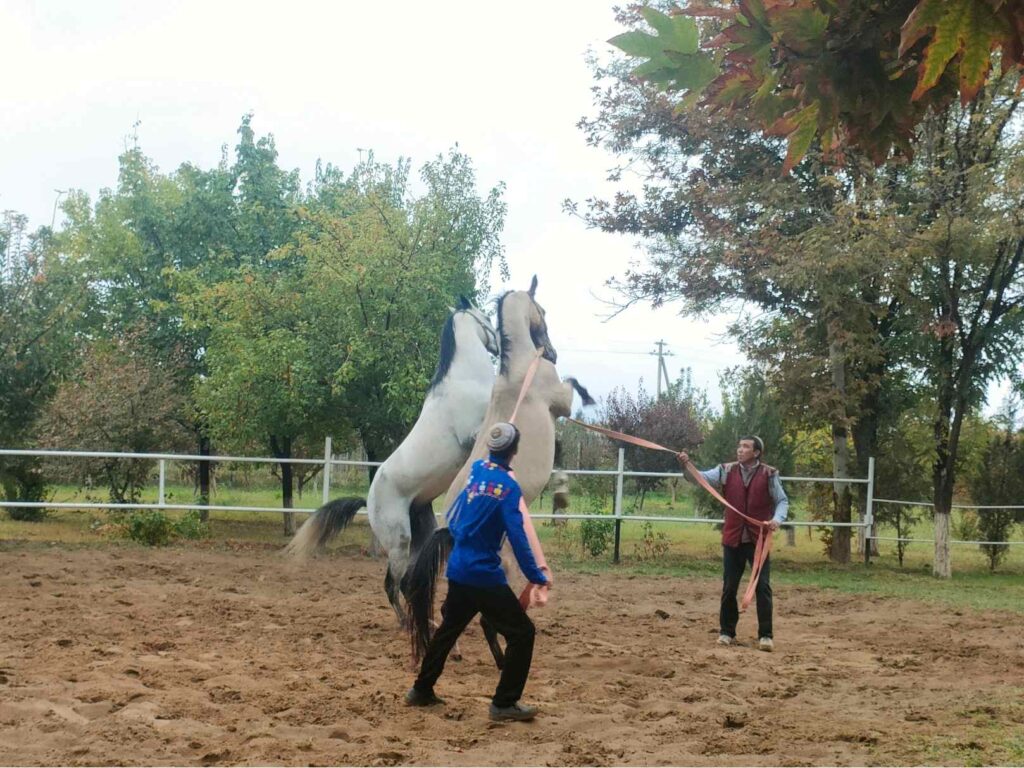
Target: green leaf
{"x":678,"y":33}
{"x":806,"y":125}
{"x":802,"y":29}
{"x":639,"y":44}
{"x":674,"y":59}
{"x":968,"y":28}
{"x":692,"y":71}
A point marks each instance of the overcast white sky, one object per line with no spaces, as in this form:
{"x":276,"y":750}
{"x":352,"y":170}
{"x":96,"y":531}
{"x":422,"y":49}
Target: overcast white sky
{"x":506,"y":81}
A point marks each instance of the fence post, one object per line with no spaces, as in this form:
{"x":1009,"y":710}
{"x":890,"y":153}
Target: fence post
{"x":327,"y":469}
{"x":618,"y":503}
{"x":869,"y":510}
{"x":163,"y":478}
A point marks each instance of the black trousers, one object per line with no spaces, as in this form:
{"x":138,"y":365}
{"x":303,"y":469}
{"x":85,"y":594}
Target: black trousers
{"x":500,"y":607}
{"x":734,"y":560}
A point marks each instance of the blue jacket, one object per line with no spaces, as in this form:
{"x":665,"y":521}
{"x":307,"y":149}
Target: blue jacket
{"x":485,"y":512}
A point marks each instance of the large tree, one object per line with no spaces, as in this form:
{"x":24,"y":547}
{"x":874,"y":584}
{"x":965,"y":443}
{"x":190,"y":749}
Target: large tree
{"x":967,"y":252}
{"x":832,"y":255}
{"x":266,"y":388}
{"x":859,"y":74}
{"x":158,"y":239}
{"x":119,"y":400}
{"x":674,"y":420}
{"x":44,"y":309}
{"x":335,"y":332}
{"x":802,"y":253}
{"x":384,"y":265}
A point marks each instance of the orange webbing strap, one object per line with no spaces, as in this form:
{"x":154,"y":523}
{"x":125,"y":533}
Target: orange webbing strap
{"x":764,"y":539}
{"x":530,"y":597}
{"x":527,"y":381}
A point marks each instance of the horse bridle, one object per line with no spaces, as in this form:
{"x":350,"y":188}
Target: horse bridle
{"x":489,"y":331}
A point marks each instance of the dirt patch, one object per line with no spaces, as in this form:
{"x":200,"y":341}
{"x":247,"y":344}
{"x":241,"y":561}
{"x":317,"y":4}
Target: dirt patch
{"x":206,"y":657}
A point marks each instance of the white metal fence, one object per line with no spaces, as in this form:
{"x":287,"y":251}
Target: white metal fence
{"x":618,"y":516}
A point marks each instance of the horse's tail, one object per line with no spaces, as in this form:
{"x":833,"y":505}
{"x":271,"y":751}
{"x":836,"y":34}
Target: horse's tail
{"x":322,"y":526}
{"x":584,"y":395}
{"x":420,"y":587}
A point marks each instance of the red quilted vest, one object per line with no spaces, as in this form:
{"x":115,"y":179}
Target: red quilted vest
{"x":753,"y":500}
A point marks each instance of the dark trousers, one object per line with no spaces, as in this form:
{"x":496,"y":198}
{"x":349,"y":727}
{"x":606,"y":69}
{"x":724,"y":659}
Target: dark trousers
{"x":500,"y":607}
{"x":734,"y":560}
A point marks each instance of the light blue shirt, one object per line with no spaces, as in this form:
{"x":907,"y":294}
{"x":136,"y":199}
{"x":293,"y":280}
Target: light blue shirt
{"x":716,"y":478}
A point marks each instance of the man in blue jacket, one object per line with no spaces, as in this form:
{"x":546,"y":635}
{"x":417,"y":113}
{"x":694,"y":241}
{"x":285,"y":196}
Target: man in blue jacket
{"x":485,"y":513}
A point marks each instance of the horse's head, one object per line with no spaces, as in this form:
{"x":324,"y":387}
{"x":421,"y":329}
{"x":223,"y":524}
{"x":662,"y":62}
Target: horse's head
{"x":467,"y":313}
{"x":539,"y":331}
{"x":465,"y":327}
{"x":522,"y":304}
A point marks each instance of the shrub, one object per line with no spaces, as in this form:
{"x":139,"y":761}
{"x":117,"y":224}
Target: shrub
{"x":191,"y":526}
{"x":22,"y":480}
{"x":652,"y":546}
{"x":150,"y":527}
{"x":596,"y":535}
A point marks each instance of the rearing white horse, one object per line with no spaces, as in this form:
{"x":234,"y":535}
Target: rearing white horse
{"x":423,"y":466}
{"x":524,"y":334}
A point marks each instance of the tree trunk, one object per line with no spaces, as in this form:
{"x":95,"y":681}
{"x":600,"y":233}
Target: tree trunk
{"x":951,"y":405}
{"x":371,"y":455}
{"x":943,"y":501}
{"x":790,"y":536}
{"x":840,"y":549}
{"x":865,"y":444}
{"x":283,"y":450}
{"x":204,"y":477}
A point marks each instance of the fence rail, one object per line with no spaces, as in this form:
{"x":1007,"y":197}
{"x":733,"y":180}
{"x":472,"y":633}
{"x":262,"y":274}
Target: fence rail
{"x":618,"y":516}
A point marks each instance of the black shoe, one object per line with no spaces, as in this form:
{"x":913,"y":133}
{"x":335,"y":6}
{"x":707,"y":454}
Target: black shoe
{"x":417,"y":698}
{"x":515,"y":712}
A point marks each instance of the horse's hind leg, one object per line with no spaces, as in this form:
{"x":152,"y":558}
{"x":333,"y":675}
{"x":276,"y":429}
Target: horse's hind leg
{"x":491,"y":634}
{"x":395,"y":597}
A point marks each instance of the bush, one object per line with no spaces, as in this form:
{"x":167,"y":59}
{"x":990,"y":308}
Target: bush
{"x":150,"y":527}
{"x":191,"y":526}
{"x":22,"y":480}
{"x":26,"y":514}
{"x":653,"y":546}
{"x":596,"y":535}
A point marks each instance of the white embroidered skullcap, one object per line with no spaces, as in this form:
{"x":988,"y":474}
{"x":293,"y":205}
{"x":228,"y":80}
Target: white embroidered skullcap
{"x":501,"y":436}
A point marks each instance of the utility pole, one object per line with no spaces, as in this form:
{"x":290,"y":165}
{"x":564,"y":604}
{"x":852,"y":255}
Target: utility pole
{"x":662,"y":369}
{"x":60,"y":193}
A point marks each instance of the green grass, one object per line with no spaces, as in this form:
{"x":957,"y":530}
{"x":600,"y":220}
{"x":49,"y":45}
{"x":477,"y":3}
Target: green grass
{"x":693,"y":550}
{"x":984,"y":740}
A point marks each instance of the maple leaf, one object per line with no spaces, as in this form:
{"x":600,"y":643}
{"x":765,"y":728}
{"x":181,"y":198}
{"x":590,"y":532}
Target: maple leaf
{"x":674,"y":58}
{"x":970,"y":29}
{"x":800,"y":128}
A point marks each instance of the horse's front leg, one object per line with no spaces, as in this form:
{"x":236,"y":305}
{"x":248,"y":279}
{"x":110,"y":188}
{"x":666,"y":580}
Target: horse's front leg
{"x":561,"y":401}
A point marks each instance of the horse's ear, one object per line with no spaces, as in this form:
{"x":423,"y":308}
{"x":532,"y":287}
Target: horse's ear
{"x":533,"y":286}
{"x":464,"y":303}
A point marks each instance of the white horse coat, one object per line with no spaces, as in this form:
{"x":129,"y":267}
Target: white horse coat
{"x":423,"y":465}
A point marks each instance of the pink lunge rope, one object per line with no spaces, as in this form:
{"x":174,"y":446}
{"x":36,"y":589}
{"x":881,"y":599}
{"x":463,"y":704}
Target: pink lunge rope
{"x":764,"y":538}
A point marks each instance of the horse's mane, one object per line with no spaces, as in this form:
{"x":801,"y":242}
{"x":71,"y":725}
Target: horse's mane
{"x":444,"y":364}
{"x":506,"y":342}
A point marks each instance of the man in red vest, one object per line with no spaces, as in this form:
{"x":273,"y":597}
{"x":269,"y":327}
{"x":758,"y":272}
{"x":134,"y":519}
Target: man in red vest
{"x":753,"y":488}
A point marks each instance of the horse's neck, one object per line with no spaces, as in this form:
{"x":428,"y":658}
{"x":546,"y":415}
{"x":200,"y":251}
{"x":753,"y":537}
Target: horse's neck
{"x":471,"y":360}
{"x":521,"y":350}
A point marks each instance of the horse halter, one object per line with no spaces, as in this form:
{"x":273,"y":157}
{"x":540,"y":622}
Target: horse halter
{"x":489,"y":332}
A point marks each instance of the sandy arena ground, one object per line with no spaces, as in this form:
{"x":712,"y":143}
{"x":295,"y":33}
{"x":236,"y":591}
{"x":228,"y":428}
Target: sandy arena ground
{"x":121,"y":655}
